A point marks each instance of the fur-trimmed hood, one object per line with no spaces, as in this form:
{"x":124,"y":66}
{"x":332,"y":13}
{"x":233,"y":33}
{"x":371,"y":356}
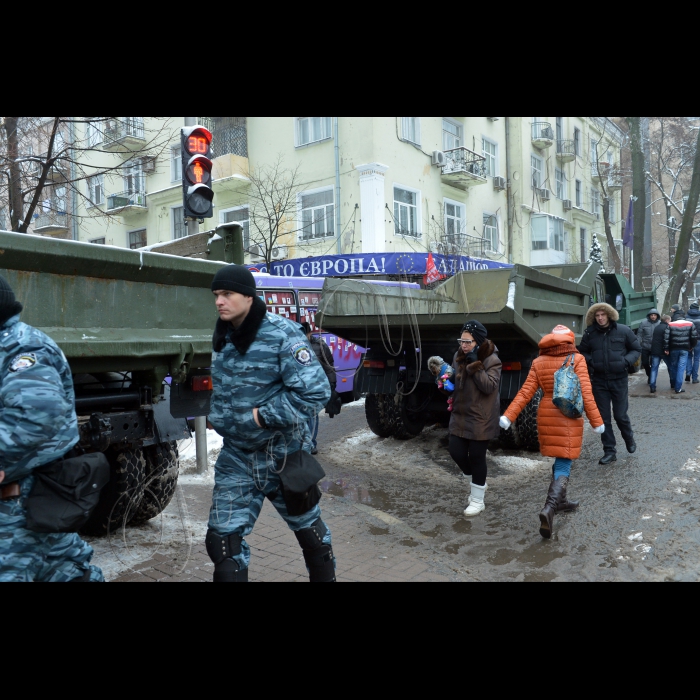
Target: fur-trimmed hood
{"x":613,"y":315}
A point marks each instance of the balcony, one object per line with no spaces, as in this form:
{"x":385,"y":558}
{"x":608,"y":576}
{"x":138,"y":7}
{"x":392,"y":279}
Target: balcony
{"x":52,"y":223}
{"x":600,"y":171}
{"x":542,"y":135}
{"x":124,"y":134}
{"x":462,"y":244}
{"x":124,"y":202}
{"x":464,"y":169}
{"x":566,"y":151}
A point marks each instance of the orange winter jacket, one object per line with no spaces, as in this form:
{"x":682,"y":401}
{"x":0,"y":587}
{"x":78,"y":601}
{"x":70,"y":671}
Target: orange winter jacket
{"x":559,"y":436}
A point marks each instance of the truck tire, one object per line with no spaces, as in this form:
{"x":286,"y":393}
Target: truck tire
{"x":508,"y":438}
{"x":162,"y":473}
{"x":526,"y":425}
{"x":116,"y":506}
{"x":409,"y":421}
{"x":379,"y":409}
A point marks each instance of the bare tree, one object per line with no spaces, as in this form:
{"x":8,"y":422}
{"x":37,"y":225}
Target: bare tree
{"x":272,"y":196}
{"x":45,"y":161}
{"x":672,"y":172}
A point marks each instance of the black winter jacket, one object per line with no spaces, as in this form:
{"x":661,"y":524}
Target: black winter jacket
{"x":694,"y":316}
{"x":659,"y":342}
{"x":681,"y":335}
{"x":610,"y":352}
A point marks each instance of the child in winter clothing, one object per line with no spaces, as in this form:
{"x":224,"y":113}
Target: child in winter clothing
{"x":560,"y":437}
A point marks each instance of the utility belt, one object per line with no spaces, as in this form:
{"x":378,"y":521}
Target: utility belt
{"x":9,"y":492}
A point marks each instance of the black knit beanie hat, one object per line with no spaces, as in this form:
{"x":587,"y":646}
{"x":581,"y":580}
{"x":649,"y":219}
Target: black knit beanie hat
{"x":9,"y":306}
{"x":477,"y":330}
{"x":235,"y":278}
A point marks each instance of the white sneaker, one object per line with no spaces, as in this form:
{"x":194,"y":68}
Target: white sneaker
{"x":477,"y":504}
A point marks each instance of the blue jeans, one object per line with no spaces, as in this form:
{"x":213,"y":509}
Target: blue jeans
{"x":693,"y":369}
{"x":562,"y":467}
{"x":655,"y":365}
{"x":679,"y":363}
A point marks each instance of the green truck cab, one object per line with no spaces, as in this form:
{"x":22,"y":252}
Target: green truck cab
{"x":405,"y":327}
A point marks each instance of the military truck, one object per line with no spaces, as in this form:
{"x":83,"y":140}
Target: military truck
{"x":404,"y":328}
{"x":136,"y":328}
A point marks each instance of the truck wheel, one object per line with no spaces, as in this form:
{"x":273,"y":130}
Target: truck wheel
{"x":508,"y":438}
{"x":116,"y":506}
{"x":409,"y":421}
{"x":526,"y":427}
{"x":162,"y":472}
{"x":379,"y":410}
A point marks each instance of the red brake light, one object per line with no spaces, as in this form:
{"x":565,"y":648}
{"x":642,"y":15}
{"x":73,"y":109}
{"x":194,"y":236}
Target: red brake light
{"x":202,"y":384}
{"x":512,"y":366}
{"x":374,"y":364}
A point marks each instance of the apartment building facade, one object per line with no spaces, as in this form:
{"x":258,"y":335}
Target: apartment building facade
{"x":510,"y":189}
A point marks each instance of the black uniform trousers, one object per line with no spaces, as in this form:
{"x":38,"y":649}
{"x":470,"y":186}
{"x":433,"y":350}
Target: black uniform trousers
{"x":612,"y":398}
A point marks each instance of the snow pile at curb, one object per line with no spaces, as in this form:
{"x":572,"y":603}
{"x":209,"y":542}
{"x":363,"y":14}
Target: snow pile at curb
{"x":188,"y":453}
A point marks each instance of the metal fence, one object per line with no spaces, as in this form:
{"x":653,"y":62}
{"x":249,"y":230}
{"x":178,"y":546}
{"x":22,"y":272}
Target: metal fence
{"x":230,"y":135}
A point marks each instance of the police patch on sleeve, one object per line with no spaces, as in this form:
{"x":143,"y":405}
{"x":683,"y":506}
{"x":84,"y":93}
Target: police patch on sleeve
{"x":303,"y":354}
{"x":22,"y":363}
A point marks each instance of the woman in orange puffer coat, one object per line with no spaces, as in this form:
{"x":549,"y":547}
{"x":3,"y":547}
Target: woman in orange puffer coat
{"x":560,"y":437}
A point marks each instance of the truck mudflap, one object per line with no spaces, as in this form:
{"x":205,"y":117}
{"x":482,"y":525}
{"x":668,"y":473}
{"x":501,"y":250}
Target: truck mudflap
{"x":167,"y":427}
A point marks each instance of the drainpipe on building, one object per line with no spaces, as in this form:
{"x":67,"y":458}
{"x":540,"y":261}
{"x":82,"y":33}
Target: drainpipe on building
{"x":338,"y":214}
{"x":509,"y":191}
{"x":73,"y":177}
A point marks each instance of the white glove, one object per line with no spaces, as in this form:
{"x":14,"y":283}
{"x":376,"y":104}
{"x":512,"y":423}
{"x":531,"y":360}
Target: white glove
{"x":599,"y":431}
{"x":505,"y":423}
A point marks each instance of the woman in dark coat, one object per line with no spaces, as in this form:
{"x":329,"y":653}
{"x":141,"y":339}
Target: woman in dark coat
{"x":476,"y":409}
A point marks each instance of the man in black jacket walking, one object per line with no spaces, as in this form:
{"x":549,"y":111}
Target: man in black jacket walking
{"x":611,"y":350}
{"x":680,"y":340}
{"x":658,"y":353}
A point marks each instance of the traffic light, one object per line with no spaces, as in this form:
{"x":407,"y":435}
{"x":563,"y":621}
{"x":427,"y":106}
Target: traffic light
{"x":197,"y":168}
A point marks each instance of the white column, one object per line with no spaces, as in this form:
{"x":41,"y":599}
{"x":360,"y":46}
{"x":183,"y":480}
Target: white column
{"x":373,"y":198}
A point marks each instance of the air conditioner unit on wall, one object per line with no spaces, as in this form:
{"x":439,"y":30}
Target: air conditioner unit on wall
{"x":499,"y":184}
{"x":568,"y":205}
{"x":439,"y":159}
{"x":280,"y":252}
{"x":545,"y":195}
{"x":256,"y":251}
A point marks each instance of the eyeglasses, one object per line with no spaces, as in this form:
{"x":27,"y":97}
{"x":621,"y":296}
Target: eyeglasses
{"x":466,"y":342}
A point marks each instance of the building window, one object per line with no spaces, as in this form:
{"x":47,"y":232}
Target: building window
{"x":176,"y":164}
{"x":556,"y":235}
{"x":96,"y":190}
{"x":537,"y":172}
{"x":584,"y":245}
{"x":239,"y":216}
{"x":410,"y":129}
{"x":406,"y":212}
{"x":490,"y":151}
{"x":94,"y":131}
{"x":577,"y":141}
{"x":99,"y":241}
{"x":548,"y":232}
{"x":230,"y":135}
{"x":452,"y":134}
{"x":579,"y":194}
{"x":317,"y":215}
{"x":138,"y":239}
{"x":455,"y":219}
{"x":178,"y":217}
{"x":561,"y":184}
{"x":595,"y":201}
{"x":491,"y":234}
{"x":134,"y":179}
{"x":313,"y":129}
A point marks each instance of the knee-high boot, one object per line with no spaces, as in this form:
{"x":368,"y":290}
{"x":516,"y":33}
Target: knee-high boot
{"x":557,"y":493}
{"x":567,"y":506}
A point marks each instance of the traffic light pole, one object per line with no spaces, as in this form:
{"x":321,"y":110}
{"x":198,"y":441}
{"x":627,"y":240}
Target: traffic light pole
{"x":200,"y":424}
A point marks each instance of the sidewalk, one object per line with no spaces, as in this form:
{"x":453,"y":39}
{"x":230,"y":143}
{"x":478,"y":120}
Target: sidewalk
{"x":366,"y":547}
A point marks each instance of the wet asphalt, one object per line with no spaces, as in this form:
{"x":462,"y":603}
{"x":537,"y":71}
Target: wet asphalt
{"x":638,"y":519}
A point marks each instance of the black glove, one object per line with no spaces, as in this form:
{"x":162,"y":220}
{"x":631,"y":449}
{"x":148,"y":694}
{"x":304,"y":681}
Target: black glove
{"x":472,"y":357}
{"x":335,"y":405}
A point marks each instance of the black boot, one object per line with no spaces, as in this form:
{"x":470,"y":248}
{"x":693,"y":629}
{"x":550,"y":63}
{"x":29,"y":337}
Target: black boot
{"x":557,"y":492}
{"x":567,"y":506}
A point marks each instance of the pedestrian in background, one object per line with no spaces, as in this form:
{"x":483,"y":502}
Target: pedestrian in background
{"x":658,"y":354}
{"x":38,"y":426}
{"x":560,"y":437}
{"x":611,"y":350}
{"x":476,"y":409}
{"x":325,"y":356}
{"x":680,"y":339}
{"x":268,"y":384}
{"x":646,"y":336}
{"x":693,"y":369}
